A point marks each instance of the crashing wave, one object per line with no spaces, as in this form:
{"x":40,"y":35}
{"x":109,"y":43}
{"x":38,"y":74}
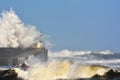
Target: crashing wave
{"x":68,"y":53}
{"x":14,"y":33}
{"x":65,"y":70}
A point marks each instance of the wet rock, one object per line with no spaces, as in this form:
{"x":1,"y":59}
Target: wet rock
{"x":111,"y":75}
{"x":9,"y":75}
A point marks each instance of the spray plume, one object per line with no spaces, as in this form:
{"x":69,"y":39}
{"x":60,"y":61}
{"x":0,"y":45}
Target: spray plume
{"x":14,"y":33}
{"x":61,"y":70}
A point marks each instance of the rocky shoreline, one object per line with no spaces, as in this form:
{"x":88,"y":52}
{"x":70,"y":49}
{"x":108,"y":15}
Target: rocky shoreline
{"x":11,"y":74}
{"x":110,"y":75}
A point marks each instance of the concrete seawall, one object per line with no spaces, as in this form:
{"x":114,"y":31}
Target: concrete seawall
{"x":13,"y":56}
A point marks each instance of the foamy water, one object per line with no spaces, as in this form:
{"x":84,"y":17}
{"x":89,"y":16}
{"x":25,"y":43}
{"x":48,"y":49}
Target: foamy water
{"x":64,"y":64}
{"x":61,"y":69}
{"x":70,"y":67}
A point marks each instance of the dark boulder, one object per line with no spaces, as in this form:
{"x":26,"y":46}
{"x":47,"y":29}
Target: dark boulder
{"x":110,"y":75}
{"x":9,"y":75}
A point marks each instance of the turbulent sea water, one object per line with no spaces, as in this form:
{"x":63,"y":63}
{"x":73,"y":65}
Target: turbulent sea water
{"x":63,"y":64}
{"x":103,"y":58}
{"x":71,"y":65}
